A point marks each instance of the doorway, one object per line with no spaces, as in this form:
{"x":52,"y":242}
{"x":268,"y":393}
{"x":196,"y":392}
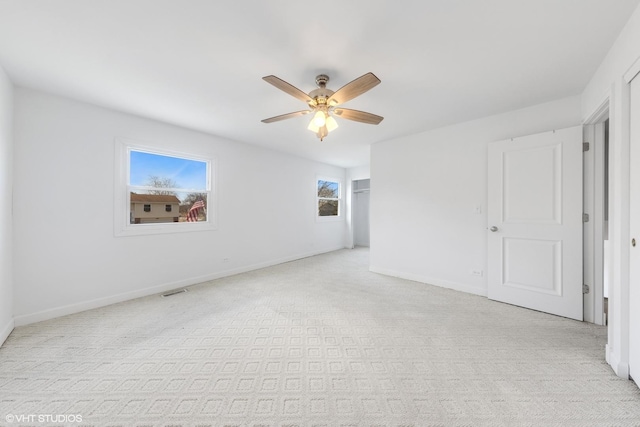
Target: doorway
{"x":596,"y":218}
{"x":360,"y":200}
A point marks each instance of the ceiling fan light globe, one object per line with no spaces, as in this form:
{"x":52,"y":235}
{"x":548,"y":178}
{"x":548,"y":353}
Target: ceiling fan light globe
{"x":319,"y":119}
{"x":331,"y":124}
{"x":312,"y":126}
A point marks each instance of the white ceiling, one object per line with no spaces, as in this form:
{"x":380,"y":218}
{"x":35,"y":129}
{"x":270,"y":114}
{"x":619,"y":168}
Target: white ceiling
{"x":199,"y":63}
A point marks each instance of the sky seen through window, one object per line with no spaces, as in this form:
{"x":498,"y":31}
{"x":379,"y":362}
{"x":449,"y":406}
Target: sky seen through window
{"x":186,"y":173}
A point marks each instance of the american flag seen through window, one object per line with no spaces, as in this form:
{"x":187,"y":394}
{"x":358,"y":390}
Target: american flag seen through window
{"x":192,"y":216}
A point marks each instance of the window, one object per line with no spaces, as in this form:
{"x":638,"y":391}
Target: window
{"x":328,"y":198}
{"x":161,"y":191}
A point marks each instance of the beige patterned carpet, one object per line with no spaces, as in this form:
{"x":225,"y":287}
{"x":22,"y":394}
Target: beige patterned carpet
{"x":316,"y":342}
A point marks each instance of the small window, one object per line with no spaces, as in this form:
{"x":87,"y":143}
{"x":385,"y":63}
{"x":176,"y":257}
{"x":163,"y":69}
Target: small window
{"x":147,"y":208}
{"x":167,"y":208}
{"x":328,"y":197}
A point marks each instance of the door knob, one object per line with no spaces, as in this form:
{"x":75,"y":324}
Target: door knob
{"x":633,"y":242}
{"x":494,"y":228}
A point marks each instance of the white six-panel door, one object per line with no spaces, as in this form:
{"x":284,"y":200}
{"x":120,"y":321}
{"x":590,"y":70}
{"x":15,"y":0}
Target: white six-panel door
{"x":535,"y":222}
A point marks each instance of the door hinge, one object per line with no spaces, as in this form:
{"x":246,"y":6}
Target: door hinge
{"x":585,"y":217}
{"x":585,"y":146}
{"x":585,"y":289}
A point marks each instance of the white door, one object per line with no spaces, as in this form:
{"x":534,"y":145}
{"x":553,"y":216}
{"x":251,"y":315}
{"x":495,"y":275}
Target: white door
{"x":634,"y":254}
{"x":535,"y":222}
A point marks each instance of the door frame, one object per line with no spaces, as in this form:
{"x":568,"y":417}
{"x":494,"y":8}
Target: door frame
{"x":593,"y":205}
{"x":617,"y":348}
{"x":633,"y":74}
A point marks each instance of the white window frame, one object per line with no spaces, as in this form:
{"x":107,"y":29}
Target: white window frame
{"x":122,"y":188}
{"x":340,"y":200}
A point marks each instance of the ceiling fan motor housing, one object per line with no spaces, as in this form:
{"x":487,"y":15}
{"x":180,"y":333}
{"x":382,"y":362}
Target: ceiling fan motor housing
{"x":322,"y":94}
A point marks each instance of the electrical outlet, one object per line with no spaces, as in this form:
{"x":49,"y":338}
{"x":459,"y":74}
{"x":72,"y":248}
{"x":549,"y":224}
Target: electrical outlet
{"x":476,"y":273}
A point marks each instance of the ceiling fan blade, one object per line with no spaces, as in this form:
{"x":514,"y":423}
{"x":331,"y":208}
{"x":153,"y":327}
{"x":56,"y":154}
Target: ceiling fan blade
{"x":289,"y":88}
{"x":354,"y":88}
{"x":358,"y":116}
{"x":286,"y":116}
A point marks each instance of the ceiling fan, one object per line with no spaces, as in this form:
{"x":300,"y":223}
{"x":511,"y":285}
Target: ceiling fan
{"x":324,"y":102}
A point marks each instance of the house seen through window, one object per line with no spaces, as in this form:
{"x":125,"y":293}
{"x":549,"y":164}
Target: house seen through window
{"x":328,"y":198}
{"x":167,"y":189}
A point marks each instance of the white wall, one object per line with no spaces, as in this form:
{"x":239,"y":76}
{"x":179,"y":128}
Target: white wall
{"x":622,"y":54}
{"x":607,"y":86}
{"x":6,"y":239}
{"x":426,"y":187}
{"x":66,"y":257}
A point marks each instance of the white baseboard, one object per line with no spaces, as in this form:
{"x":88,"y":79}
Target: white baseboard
{"x":430,"y":281}
{"x":26,"y":319}
{"x":6,"y":331}
{"x":620,"y":369}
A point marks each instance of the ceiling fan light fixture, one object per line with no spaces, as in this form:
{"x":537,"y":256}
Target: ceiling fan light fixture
{"x":323,"y":130}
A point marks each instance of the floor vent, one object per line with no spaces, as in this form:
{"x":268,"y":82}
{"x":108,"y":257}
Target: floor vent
{"x":180,"y":291}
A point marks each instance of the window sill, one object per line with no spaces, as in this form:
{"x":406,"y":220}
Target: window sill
{"x":168,"y":228}
{"x":329,"y":218}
